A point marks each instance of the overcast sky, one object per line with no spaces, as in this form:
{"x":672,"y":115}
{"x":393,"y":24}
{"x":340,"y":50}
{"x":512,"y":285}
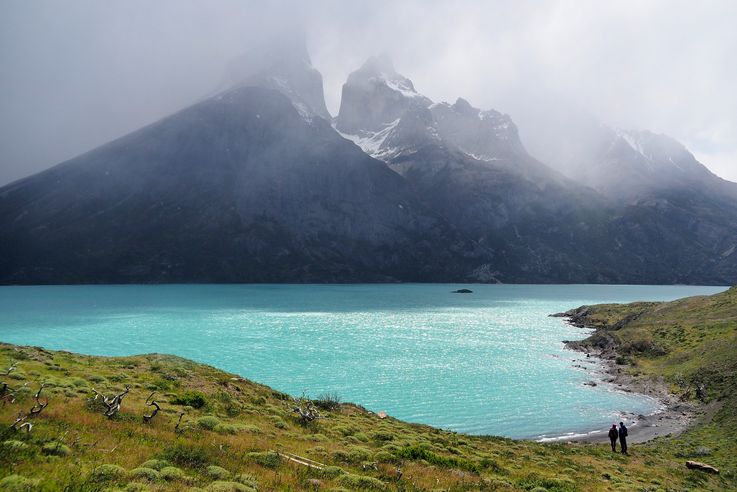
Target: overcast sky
{"x":77,"y":73}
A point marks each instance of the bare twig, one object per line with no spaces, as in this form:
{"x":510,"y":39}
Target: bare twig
{"x":38,"y":407}
{"x":306,"y":410}
{"x":178,"y":429}
{"x":10,"y":369}
{"x":152,"y":403}
{"x":112,"y":403}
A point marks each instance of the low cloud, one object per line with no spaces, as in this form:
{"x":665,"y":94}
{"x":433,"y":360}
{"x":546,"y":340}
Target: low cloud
{"x":76,"y":74}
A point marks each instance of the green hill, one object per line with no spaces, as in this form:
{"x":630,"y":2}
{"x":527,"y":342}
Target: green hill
{"x":238,"y":435}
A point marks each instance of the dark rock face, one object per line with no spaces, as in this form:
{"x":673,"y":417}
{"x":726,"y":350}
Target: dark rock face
{"x":241,"y":187}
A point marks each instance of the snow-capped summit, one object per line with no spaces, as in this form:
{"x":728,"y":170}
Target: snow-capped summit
{"x":629,"y":163}
{"x":284,"y":65}
{"x":374,"y":96}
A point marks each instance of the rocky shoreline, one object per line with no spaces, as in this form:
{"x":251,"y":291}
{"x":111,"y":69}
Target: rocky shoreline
{"x":675,"y":415}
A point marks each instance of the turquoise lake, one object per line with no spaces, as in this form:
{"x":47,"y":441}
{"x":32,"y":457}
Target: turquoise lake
{"x":491,"y":362}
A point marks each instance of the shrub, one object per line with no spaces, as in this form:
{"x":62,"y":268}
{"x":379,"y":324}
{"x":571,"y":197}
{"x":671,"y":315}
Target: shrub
{"x":217,"y":472}
{"x":382,"y":436}
{"x":327,"y":401}
{"x":107,"y":473}
{"x":56,"y":449}
{"x":14,"y":446}
{"x":361,"y":436}
{"x":279,"y":422}
{"x":186,"y":455}
{"x":231,"y":429}
{"x":332,"y":471}
{"x":221,"y":486}
{"x":172,"y":473}
{"x":361,"y":482}
{"x":208,"y":422}
{"x":18,"y":483}
{"x":148,"y":474}
{"x":417,"y":452}
{"x":136,"y":487}
{"x":155,"y":464}
{"x":266,"y":459}
{"x":247,"y":479}
{"x":194,"y":399}
{"x":385,"y":457}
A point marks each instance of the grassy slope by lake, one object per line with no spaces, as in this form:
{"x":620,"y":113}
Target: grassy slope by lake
{"x":233,"y":427}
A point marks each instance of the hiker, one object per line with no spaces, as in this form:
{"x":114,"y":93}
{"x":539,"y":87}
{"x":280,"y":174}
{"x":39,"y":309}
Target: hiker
{"x":613,"y":435}
{"x":623,"y":437}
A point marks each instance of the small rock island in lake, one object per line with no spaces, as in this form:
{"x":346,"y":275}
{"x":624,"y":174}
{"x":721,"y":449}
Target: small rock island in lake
{"x":463,"y":291}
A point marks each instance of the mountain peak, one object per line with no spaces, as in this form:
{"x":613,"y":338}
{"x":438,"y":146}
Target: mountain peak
{"x":374,"y":96}
{"x":283,"y":63}
{"x":464,"y":107}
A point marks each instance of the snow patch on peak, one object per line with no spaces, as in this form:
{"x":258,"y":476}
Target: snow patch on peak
{"x":372,"y":142}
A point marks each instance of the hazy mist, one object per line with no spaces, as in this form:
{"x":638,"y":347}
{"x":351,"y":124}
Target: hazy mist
{"x":78,"y":73}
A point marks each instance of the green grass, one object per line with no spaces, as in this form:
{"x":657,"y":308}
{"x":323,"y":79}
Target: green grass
{"x":233,"y":430}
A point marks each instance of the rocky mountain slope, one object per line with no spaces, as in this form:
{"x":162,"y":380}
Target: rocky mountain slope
{"x":250,"y":185}
{"x":255,"y":185}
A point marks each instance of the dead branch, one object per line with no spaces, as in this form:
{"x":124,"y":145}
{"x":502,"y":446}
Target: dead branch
{"x":696,"y":465}
{"x":152,"y":403}
{"x":306,"y":410}
{"x":178,"y":429}
{"x":18,"y":421}
{"x":10,"y":369}
{"x":38,"y":407}
{"x":112,"y":403}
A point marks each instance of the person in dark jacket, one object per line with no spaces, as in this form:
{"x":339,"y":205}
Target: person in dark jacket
{"x":623,"y":437}
{"x":613,"y":435}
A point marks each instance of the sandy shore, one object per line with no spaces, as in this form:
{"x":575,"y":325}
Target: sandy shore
{"x":672,"y":418}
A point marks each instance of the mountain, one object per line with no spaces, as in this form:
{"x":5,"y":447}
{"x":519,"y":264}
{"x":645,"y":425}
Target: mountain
{"x":250,"y":185}
{"x":257,"y":184}
{"x":470,"y":167}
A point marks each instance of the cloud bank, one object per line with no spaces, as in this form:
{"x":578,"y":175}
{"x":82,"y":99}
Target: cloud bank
{"x":79,"y":73}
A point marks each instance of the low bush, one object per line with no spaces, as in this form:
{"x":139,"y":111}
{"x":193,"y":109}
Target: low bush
{"x":361,"y":482}
{"x":107,"y":473}
{"x":194,"y":399}
{"x":222,"y":486}
{"x":267,"y":459}
{"x":327,"y":401}
{"x":208,"y":422}
{"x":56,"y":449}
{"x":155,"y":464}
{"x":217,"y":472}
{"x":172,"y":473}
{"x":417,"y":452}
{"x":148,"y":474}
{"x":18,"y":483}
{"x":186,"y":455}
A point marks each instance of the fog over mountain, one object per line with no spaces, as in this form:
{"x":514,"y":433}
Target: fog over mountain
{"x":77,"y":74}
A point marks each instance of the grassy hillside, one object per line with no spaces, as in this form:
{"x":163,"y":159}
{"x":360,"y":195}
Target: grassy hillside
{"x":238,"y":435}
{"x":691,"y":344}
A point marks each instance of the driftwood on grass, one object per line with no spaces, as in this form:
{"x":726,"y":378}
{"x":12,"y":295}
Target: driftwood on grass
{"x":7,"y":394}
{"x":38,"y":407}
{"x":151,"y":403}
{"x":695,"y":465}
{"x":306,"y":410}
{"x":112,"y":403}
{"x":179,"y":428}
{"x":21,"y":422}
